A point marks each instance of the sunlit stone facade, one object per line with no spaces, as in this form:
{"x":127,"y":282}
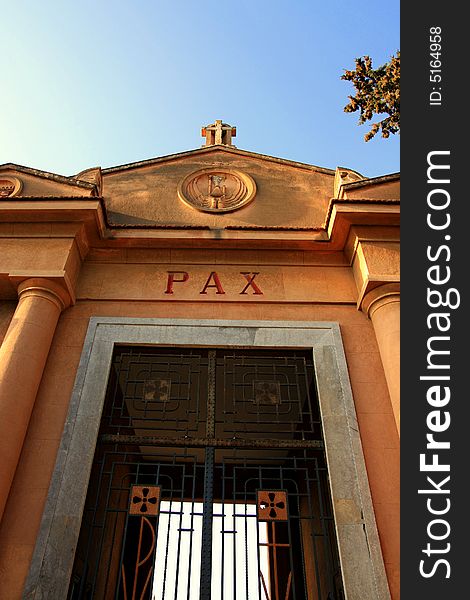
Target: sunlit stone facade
{"x":215,"y":247}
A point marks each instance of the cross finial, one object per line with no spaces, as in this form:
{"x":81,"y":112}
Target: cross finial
{"x":219,"y":133}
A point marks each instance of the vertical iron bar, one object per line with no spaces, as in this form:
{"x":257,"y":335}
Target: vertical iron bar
{"x":168,"y":532}
{"x":207,"y":514}
{"x":180,"y":526}
{"x":208,"y":506}
{"x":210,"y":426}
{"x":234,"y":535}
{"x":258,"y":553}
{"x":193,"y":493}
{"x":222,"y":561}
{"x":274,"y":542}
{"x":245,"y":500}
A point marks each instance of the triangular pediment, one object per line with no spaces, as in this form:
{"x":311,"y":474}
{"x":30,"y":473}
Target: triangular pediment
{"x":17,"y":181}
{"x":210,"y":150}
{"x":386,"y":187}
{"x":285,"y":194}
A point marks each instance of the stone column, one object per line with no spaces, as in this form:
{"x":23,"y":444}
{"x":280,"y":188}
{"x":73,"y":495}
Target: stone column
{"x":382,"y":306}
{"x":23,"y":356}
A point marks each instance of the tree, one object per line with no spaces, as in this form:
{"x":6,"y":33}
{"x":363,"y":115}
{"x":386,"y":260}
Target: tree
{"x":377,"y":92}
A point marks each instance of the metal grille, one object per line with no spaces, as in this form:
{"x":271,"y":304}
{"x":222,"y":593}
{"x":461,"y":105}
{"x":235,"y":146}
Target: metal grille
{"x":209,"y":481}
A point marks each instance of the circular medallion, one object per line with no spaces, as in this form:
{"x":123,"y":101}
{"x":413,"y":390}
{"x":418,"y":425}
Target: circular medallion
{"x":217,"y":190}
{"x":9,"y":186}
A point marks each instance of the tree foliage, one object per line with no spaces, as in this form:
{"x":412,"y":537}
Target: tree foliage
{"x":377,"y":93}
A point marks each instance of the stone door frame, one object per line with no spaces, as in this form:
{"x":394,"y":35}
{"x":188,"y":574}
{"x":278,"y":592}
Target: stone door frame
{"x":360,"y":553}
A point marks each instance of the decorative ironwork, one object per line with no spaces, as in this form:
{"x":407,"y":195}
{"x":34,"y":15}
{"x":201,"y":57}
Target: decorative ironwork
{"x":267,"y":392}
{"x":205,"y":441}
{"x":199,"y":490}
{"x":211,"y":375}
{"x":272,"y":505}
{"x":157,"y":389}
{"x":144,"y":499}
{"x":207,"y":517}
{"x":142,"y":568}
{"x":269,"y":395}
{"x":157,"y":392}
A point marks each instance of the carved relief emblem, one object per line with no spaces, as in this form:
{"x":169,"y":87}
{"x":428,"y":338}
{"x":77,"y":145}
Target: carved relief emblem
{"x":9,"y":186}
{"x":217,"y":190}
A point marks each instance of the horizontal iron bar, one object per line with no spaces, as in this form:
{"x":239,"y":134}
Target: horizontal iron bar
{"x":213,"y":442}
{"x":224,"y":531}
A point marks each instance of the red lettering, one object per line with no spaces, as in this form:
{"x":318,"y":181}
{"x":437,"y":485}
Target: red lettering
{"x":250,"y":278}
{"x":171,"y":280}
{"x":213,"y":276}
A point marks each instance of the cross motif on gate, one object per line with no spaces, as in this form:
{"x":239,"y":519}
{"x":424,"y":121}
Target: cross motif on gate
{"x":145,"y":500}
{"x":272,"y":505}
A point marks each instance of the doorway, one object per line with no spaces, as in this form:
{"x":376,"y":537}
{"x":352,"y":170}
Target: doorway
{"x":209,"y":480}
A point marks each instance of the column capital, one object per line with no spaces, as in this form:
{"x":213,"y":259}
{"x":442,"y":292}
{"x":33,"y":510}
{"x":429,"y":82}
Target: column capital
{"x":45,"y":288}
{"x":380,"y":296}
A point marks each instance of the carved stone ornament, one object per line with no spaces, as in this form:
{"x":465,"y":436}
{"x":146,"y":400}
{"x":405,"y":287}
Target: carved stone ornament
{"x":9,"y":186}
{"x":217,"y":190}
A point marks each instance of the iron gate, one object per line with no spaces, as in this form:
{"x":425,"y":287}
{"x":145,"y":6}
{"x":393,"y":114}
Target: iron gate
{"x":209,"y":481}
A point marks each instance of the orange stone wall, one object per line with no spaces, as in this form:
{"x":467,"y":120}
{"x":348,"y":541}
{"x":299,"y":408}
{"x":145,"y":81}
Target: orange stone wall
{"x":6,"y":313}
{"x":297,"y":285}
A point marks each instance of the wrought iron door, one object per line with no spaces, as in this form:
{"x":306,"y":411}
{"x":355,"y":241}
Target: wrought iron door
{"x":209,"y":481}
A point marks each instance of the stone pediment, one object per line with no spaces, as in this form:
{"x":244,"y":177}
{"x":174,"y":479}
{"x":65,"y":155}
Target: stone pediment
{"x":218,"y":187}
{"x":386,"y":187}
{"x":217,"y":192}
{"x":17,"y":181}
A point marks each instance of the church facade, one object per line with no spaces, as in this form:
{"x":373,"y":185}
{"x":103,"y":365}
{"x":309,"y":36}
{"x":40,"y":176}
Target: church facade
{"x":199,"y":380}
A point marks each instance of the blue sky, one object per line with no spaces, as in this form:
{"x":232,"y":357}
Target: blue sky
{"x":108,"y":82}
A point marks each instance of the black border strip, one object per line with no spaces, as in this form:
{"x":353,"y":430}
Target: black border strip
{"x":433,"y":129}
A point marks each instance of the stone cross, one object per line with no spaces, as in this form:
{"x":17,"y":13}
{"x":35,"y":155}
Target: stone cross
{"x":219,"y":133}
